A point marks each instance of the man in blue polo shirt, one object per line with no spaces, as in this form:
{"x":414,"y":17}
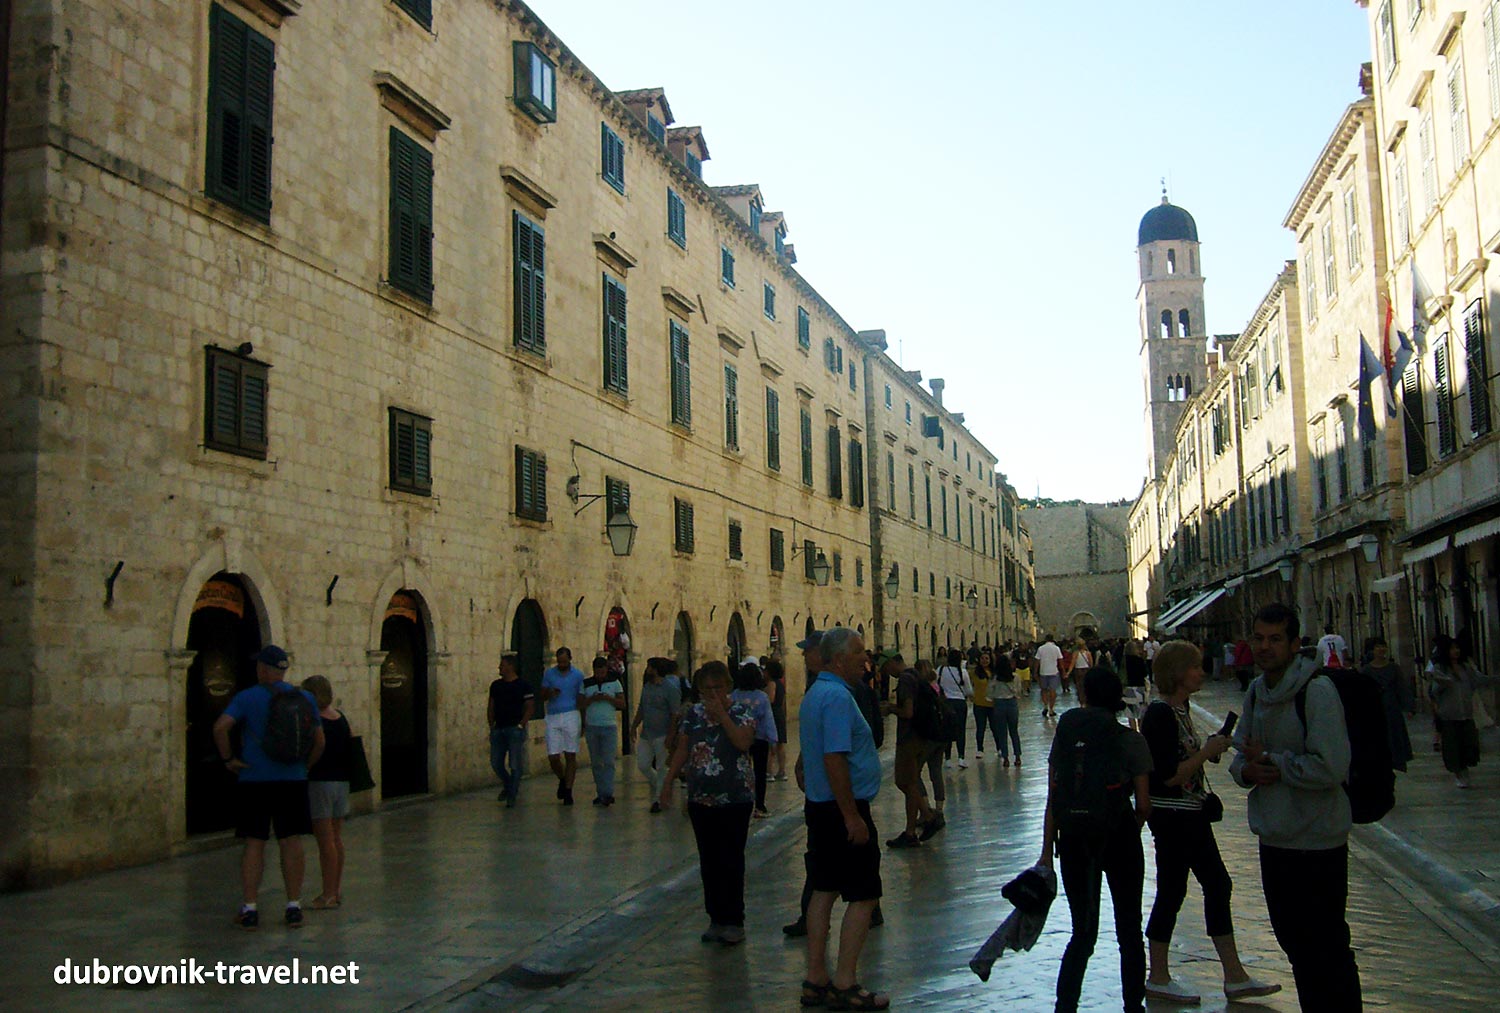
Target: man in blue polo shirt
{"x":561,"y":685}
{"x":842,"y":773}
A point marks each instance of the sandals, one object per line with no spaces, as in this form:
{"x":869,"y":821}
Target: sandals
{"x":856,"y":997}
{"x":324,"y":903}
{"x":814,"y":996}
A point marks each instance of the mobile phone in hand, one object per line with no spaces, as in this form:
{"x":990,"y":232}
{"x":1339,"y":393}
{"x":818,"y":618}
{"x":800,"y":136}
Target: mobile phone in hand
{"x":1229,"y":723}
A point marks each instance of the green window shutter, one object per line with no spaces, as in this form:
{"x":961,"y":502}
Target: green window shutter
{"x":682,"y":392}
{"x":224,"y":418}
{"x":411,"y":216}
{"x":253,"y":410}
{"x":226,"y":106}
{"x":260,"y":61}
{"x":616,"y":496}
{"x":1443,"y":382}
{"x":835,"y":464}
{"x":1478,"y":368}
{"x":676,"y":219}
{"x":422,"y":472}
{"x":804,"y":328}
{"x":530,"y":284}
{"x":616,"y":374}
{"x":809,"y":557}
{"x":403,"y":450}
{"x":773,"y":430}
{"x":731,"y":408}
{"x":736,"y":546}
{"x":807,"y":461}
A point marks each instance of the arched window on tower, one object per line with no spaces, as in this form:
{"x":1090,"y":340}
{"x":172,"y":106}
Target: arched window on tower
{"x":1192,"y":261}
{"x":1187,"y":387}
{"x":1171,"y":261}
{"x":1166,"y":323}
{"x":1184,"y":324}
{"x":1148,"y":263}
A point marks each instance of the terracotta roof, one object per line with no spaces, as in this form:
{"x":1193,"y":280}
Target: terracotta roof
{"x":689,"y":134}
{"x":738,"y":190}
{"x":651,"y":95}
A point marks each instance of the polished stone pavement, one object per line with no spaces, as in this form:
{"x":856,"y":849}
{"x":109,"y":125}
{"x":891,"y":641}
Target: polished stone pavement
{"x":458,"y":903}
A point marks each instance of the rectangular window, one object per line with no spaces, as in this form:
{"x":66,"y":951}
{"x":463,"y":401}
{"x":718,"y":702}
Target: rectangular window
{"x":241,"y":78}
{"x":835,"y":463}
{"x":932,"y":585}
{"x":856,"y":474}
{"x":656,"y":128}
{"x":887,"y":395}
{"x":611,"y":157}
{"x":859,"y":571}
{"x":1458,"y":110}
{"x":420,"y":11}
{"x":773,"y":430}
{"x":1414,"y":13}
{"x":731,"y":408}
{"x":927,"y":485}
{"x":1352,"y":238}
{"x":1477,"y":366}
{"x":1342,"y":438}
{"x":616,"y":361}
{"x":1286,"y":498}
{"x":1427,"y":148}
{"x":536,"y":83}
{"x":778,"y":551}
{"x":411,"y":217}
{"x":1492,"y":54}
{"x":908,"y":413}
{"x":1414,"y":414}
{"x":853,"y":377}
{"x":769,"y":301}
{"x":1442,"y":371}
{"x":736,"y":548}
{"x":682,"y":525}
{"x":234,"y":405}
{"x":838,"y":567}
{"x":804,"y":329}
{"x":530,"y":283}
{"x":1311,"y":289}
{"x":755,"y":218}
{"x":726,"y":266}
{"x":805,"y":419}
{"x":531,"y":484}
{"x":890,"y":482}
{"x":616,"y":497}
{"x":1330,"y":265}
{"x":911,"y":492}
{"x":694,"y":165}
{"x":411,"y":452}
{"x":916,"y":581}
{"x":943,"y":504}
{"x":809,"y":557}
{"x":1386,"y":29}
{"x":948,"y":588}
{"x":682,"y":384}
{"x":676,"y":218}
{"x":971,"y":526}
{"x":829,"y":363}
{"x":1402,"y":221}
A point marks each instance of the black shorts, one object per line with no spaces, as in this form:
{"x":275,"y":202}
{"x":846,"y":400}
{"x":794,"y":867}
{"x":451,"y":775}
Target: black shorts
{"x":262,"y":804}
{"x":833,"y":864}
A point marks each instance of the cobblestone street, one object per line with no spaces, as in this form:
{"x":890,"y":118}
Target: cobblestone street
{"x":460,"y":904}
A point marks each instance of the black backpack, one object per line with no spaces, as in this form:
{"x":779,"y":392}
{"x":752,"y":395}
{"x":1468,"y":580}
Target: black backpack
{"x":927,"y":718}
{"x":291,"y":722}
{"x":1371,"y":784}
{"x":1091,"y":793}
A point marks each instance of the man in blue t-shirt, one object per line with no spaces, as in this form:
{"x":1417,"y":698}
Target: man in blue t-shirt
{"x":269,"y":793}
{"x":842,"y":775}
{"x":561,"y":685}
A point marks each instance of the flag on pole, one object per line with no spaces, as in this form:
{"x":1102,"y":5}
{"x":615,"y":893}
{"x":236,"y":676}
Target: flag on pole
{"x":1369,"y":368}
{"x":1395,"y":353}
{"x":1419,"y":297}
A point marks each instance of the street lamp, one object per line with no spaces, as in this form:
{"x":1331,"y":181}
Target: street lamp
{"x":1286,"y":568}
{"x":892,"y":582}
{"x":972,"y":598}
{"x":821,"y":569}
{"x":621,"y":530}
{"x":1370,"y":545}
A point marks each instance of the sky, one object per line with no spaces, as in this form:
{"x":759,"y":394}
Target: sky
{"x":969,"y":176}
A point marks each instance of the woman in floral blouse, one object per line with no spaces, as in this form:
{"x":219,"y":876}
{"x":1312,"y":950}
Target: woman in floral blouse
{"x":713,"y":747}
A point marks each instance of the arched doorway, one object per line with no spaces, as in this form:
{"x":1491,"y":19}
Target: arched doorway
{"x":617,"y":653}
{"x":403,"y":697}
{"x":778,"y":639}
{"x":224,"y":632}
{"x":528,"y":639}
{"x":682,"y":645}
{"x":735,"y":641}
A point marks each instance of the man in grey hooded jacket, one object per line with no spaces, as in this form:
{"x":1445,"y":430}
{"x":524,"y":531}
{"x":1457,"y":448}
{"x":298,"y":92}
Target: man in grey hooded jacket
{"x":1299,"y":811}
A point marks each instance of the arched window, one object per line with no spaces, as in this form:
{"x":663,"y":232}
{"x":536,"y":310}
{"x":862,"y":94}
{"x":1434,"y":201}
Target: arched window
{"x":1187,"y":387}
{"x":1166,"y":323}
{"x":1185,"y":323}
{"x":1171,"y":261}
{"x":1192,"y":261}
{"x":1148,"y":263}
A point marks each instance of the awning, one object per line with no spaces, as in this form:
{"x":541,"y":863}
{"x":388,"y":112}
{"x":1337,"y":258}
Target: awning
{"x":1469,"y":536}
{"x":1165,"y":619}
{"x":1427,"y":551}
{"x":1198,"y":604}
{"x":1390,"y":582}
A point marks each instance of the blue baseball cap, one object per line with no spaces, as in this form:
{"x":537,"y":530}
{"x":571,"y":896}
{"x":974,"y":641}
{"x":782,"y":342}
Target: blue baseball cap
{"x":273,"y":656}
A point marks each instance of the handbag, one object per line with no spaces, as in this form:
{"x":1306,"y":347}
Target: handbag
{"x":1213,"y":807}
{"x":359,"y":766}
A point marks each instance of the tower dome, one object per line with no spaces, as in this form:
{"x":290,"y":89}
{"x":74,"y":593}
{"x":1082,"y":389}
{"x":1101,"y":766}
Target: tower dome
{"x":1165,"y":222}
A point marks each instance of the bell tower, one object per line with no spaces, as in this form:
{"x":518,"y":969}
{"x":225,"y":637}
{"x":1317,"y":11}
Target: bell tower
{"x":1174,"y":333}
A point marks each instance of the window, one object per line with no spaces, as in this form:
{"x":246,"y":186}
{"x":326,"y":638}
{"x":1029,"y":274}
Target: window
{"x":853,"y":377}
{"x":411,"y":452}
{"x":536,"y":83}
{"x":682,"y":384}
{"x":835,"y":463}
{"x":830,"y":362}
{"x":656,"y":128}
{"x":911,"y":492}
{"x":805,"y":419}
{"x":1414,"y":412}
{"x":769,"y":301}
{"x":887,"y":395}
{"x":530,"y":276}
{"x":611,"y":157}
{"x":1330,"y":265}
{"x":616,"y":371}
{"x":1311,"y":290}
{"x":736,"y":548}
{"x":755,"y":218}
{"x":676,"y":218}
{"x":1401,"y":223}
{"x":731,"y":408}
{"x":971,"y":525}
{"x":948,"y":588}
{"x":859,"y":571}
{"x":890,"y":481}
{"x":531,"y":484}
{"x":1477,"y":365}
{"x":809,"y":556}
{"x":916,"y":581}
{"x":616,"y":497}
{"x":1442,"y":376}
{"x":838,"y":567}
{"x":1342,"y":438}
{"x":411,"y":217}
{"x":241,"y":75}
{"x":420,"y":11}
{"x":908,"y":413}
{"x":773,"y":430}
{"x":932,"y":589}
{"x":1386,"y":30}
{"x":778,"y":551}
{"x":1351,"y":229}
{"x":694,"y":165}
{"x":234,"y":406}
{"x":726,"y":266}
{"x":943,"y":503}
{"x":1458,"y":110}
{"x":682,"y":525}
{"x":856,"y":474}
{"x":804,"y":329}
{"x":1414,"y":14}
{"x":1427,"y":150}
{"x":1492,"y":54}
{"x":927,"y":484}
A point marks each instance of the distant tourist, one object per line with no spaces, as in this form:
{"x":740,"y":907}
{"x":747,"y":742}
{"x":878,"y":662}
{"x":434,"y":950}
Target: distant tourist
{"x":1333,"y":652}
{"x":1452,"y":680}
{"x":1049,"y":675}
{"x":1396,"y":696}
{"x":660,"y":700}
{"x":561,"y":685}
{"x":602,"y":700}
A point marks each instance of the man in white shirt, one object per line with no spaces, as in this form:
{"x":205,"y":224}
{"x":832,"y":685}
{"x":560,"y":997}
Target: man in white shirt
{"x":1049,"y":675}
{"x":1332,"y":644}
{"x":1151,"y":646}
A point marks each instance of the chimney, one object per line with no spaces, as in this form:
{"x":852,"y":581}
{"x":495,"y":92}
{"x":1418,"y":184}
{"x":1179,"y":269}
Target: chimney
{"x":937,"y":390}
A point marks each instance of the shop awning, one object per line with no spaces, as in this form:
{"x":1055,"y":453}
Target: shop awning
{"x":1469,"y":536}
{"x":1197,"y":605}
{"x":1427,"y":551}
{"x":1390,"y":582}
{"x":1165,"y":619}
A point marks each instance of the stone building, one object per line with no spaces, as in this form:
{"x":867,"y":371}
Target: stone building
{"x":378,"y":333}
{"x":1082,"y":578}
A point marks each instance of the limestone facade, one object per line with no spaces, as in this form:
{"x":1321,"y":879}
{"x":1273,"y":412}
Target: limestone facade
{"x":372,"y":392}
{"x":1082,"y":567}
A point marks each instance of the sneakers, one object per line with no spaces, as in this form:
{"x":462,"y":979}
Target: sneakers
{"x":963,"y":764}
{"x":1250,"y":988}
{"x":731,"y":935}
{"x":979,"y":754}
{"x":795,"y":930}
{"x":248,"y":919}
{"x":713,"y":934}
{"x":598,"y":800}
{"x":294,"y":916}
{"x":931,"y":828}
{"x":779,"y":777}
{"x":761,"y":814}
{"x":905,"y":839}
{"x":1174,"y":991}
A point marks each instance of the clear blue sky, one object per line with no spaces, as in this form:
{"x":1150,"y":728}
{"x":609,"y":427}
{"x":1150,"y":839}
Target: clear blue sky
{"x":969,"y":175}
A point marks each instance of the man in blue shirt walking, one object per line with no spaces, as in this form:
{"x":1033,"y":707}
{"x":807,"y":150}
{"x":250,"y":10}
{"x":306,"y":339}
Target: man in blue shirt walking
{"x":842,"y":774}
{"x":561,"y":685}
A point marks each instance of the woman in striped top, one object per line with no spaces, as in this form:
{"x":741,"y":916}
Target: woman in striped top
{"x":1183,"y":830}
